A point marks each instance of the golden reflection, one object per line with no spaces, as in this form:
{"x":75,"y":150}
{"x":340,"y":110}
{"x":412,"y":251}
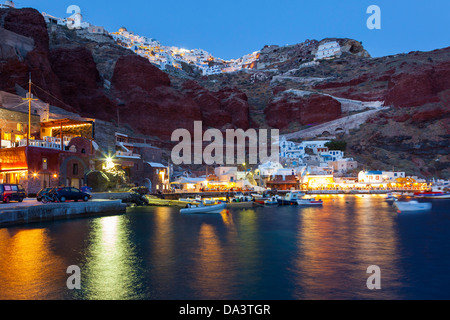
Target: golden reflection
{"x":110,"y":269}
{"x":162,"y":244}
{"x":211,"y":276}
{"x":338,"y":242}
{"x":28,"y":267}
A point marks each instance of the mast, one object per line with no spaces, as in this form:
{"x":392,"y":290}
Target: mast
{"x":29,"y":98}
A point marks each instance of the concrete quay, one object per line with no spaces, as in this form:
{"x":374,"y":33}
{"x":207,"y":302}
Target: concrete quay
{"x":32,"y":211}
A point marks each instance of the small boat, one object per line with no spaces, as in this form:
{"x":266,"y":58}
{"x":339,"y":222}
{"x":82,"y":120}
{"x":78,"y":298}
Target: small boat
{"x":291,"y":198}
{"x":413,"y":205}
{"x":201,"y":208}
{"x":271,"y":201}
{"x":310,"y":202}
{"x":390,"y":197}
{"x":433,"y":195}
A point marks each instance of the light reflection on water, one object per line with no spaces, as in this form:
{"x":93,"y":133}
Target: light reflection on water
{"x":259,"y":253}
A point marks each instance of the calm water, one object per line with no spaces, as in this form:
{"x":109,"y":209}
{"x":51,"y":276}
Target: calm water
{"x":262,"y":253}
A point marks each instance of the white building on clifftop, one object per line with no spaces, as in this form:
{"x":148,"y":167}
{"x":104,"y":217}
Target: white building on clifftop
{"x":328,"y":50}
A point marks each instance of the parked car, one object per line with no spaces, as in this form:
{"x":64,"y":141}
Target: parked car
{"x":43,"y":192}
{"x":70,"y":193}
{"x":12,"y":192}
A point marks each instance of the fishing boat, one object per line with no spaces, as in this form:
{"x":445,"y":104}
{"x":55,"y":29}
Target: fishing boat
{"x":201,"y":208}
{"x":413,"y":205}
{"x":310,"y":202}
{"x":290,"y":198}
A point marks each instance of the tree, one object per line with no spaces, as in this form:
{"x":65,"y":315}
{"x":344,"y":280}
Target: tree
{"x":336,"y":145}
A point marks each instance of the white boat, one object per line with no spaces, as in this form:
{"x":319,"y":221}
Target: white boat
{"x":192,"y":208}
{"x":310,"y":202}
{"x":413,"y":205}
{"x":290,"y":198}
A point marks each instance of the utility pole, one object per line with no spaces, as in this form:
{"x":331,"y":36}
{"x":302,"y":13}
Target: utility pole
{"x":29,"y":98}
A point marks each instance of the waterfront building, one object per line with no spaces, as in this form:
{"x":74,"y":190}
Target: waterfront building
{"x":379,"y":176}
{"x":37,"y":167}
{"x":284,"y":182}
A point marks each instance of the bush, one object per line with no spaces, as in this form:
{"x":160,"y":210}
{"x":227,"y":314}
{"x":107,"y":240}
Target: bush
{"x":336,"y":145}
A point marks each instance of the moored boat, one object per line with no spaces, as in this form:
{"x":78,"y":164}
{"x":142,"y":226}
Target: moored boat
{"x":291,"y":198}
{"x":310,"y":202}
{"x":432,"y":195}
{"x":271,"y":201}
{"x":191,"y":208}
{"x":412,"y":206}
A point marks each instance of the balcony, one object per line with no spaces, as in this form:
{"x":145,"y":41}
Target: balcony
{"x":48,"y":143}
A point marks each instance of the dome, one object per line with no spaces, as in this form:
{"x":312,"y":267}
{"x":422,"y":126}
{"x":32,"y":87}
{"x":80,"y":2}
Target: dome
{"x":123,"y":29}
{"x":10,"y":3}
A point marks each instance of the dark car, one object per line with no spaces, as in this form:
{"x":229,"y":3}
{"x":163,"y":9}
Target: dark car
{"x":12,"y":192}
{"x":70,"y":193}
{"x":43,"y":192}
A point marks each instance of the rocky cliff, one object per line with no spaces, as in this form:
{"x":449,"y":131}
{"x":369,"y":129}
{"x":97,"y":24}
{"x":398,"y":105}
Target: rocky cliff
{"x":285,"y":88}
{"x":94,"y":77}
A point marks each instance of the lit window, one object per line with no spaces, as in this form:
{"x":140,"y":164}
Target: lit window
{"x":19,"y":127}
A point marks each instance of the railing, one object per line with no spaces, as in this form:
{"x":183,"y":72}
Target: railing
{"x":48,"y":143}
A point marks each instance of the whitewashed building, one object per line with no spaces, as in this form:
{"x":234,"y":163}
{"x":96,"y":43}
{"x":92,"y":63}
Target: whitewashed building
{"x":328,"y":50}
{"x":379,"y":176}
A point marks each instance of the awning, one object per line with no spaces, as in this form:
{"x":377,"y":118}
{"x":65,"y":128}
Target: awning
{"x":189,"y":181}
{"x":156,"y":165}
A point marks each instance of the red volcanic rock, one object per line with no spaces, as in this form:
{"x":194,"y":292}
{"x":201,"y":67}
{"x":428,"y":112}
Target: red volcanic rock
{"x":313,"y":109}
{"x":418,"y":87}
{"x":276,"y":90}
{"x":80,"y":83}
{"x":220,"y":108}
{"x":430,"y":115}
{"x":29,"y":23}
{"x":134,"y":71}
{"x":237,"y":106}
{"x":158,"y":112}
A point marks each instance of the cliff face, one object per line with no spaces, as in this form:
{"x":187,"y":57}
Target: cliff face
{"x":97,"y":79}
{"x":304,"y":110}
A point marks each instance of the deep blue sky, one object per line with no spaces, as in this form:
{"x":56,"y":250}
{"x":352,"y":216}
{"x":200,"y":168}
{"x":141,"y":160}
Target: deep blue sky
{"x":231,"y":28}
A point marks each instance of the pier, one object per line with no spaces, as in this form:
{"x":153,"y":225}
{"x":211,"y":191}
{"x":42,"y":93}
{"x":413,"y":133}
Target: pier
{"x":31,"y":211}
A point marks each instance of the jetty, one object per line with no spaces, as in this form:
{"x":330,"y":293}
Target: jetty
{"x":32,"y":211}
